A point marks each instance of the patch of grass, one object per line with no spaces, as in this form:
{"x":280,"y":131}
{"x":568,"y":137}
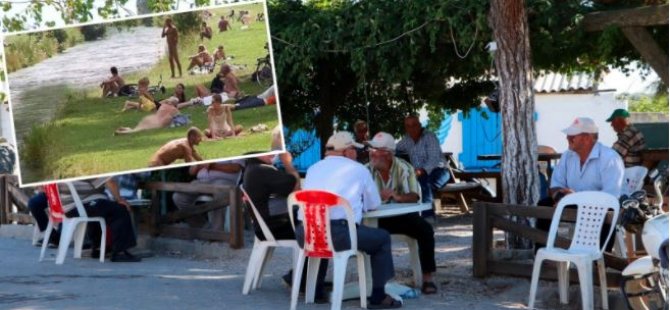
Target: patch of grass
{"x":79,"y":140}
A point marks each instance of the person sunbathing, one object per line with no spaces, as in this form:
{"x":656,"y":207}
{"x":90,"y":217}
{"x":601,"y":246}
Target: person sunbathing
{"x":145,"y":101}
{"x":219,"y":54}
{"x":182,"y":148}
{"x":114,"y":85}
{"x":205,"y":31}
{"x":220,"y":120}
{"x":202,"y":58}
{"x":161,"y":119}
{"x":224,"y":82}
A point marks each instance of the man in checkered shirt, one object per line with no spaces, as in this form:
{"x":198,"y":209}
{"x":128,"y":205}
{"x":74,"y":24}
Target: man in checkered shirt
{"x":425,"y":154}
{"x":630,"y":141}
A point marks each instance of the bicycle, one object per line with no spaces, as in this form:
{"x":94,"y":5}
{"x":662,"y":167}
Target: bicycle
{"x":263,"y":73}
{"x":131,"y":90}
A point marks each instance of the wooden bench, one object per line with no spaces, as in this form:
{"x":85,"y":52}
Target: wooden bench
{"x":488,"y":216}
{"x":160,"y":218}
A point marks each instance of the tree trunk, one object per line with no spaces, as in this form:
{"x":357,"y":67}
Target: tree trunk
{"x":519,"y":167}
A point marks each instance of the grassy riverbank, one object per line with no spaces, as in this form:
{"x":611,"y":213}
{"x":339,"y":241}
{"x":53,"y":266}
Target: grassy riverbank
{"x":79,"y":140}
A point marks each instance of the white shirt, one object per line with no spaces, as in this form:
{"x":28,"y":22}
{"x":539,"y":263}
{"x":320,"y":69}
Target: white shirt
{"x":602,"y":171}
{"x":207,"y":174}
{"x":348,"y":179}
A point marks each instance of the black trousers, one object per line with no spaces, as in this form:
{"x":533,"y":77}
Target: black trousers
{"x":117,"y":219}
{"x":415,"y":227}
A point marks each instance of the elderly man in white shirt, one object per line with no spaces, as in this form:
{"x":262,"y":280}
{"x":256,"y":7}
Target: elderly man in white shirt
{"x":339,"y":173}
{"x":587,"y":165}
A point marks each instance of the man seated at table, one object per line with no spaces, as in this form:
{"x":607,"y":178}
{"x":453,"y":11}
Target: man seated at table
{"x":268,"y":188}
{"x":115,"y":212}
{"x":587,"y":165}
{"x":218,"y":173}
{"x":339,"y":173}
{"x":630,"y":141}
{"x":425,"y":154}
{"x":397,"y":183}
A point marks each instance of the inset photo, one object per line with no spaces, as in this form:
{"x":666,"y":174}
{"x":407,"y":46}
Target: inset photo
{"x":142,"y":93}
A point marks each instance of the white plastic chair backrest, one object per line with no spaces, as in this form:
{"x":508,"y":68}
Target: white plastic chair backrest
{"x":257,"y":216}
{"x":633,"y":179}
{"x":315,"y":206}
{"x":77,"y":201}
{"x":592,"y":208}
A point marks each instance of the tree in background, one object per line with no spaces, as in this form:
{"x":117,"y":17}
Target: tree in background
{"x":343,"y":60}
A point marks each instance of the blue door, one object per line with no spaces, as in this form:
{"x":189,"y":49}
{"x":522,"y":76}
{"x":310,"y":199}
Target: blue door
{"x":480,"y":136}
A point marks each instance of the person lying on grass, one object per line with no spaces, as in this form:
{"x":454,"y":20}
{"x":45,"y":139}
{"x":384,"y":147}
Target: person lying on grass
{"x":113,"y":85}
{"x":161,"y":119}
{"x":145,"y":101}
{"x":202,"y":58}
{"x":182,"y":148}
{"x":220,"y":120}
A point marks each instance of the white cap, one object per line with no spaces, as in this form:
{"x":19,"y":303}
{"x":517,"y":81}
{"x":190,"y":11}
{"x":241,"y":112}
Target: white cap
{"x":383,"y":140}
{"x":342,"y":140}
{"x":581,"y":125}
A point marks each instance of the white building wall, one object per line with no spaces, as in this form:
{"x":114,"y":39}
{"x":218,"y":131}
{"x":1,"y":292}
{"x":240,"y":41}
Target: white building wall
{"x":557,"y":111}
{"x":454,"y":141}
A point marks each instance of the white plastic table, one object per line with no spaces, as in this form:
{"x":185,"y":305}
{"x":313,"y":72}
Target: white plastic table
{"x":370,"y":219}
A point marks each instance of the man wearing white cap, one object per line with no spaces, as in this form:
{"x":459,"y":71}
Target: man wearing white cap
{"x":397,"y":182}
{"x":339,"y":173}
{"x":588,"y":165}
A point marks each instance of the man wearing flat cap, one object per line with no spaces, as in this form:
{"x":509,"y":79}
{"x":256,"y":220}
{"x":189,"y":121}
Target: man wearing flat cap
{"x":630,"y":141}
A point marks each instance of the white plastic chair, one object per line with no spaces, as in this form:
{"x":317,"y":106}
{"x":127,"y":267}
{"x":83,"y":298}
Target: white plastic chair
{"x":592,"y":208}
{"x":633,"y":179}
{"x":315,"y":206}
{"x":73,"y":227}
{"x":414,"y":262}
{"x":262,"y":250}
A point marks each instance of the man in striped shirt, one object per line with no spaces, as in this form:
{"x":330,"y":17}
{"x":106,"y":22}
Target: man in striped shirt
{"x":630,"y":141}
{"x":397,"y":182}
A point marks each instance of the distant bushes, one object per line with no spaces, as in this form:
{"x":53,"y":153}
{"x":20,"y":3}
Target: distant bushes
{"x":26,"y":50}
{"x":93,"y":32}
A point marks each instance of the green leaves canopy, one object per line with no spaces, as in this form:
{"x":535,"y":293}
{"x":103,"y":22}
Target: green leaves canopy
{"x":334,"y":56}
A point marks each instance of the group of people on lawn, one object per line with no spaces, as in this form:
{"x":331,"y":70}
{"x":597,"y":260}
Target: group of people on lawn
{"x":220,"y":97}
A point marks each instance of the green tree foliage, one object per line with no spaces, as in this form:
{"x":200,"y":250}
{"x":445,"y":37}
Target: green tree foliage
{"x":333,"y":57}
{"x":93,"y":32}
{"x":187,"y":22}
{"x":658,"y":103}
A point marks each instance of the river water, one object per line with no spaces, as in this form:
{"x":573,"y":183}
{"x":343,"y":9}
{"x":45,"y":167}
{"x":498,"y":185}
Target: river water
{"x":35,"y":90}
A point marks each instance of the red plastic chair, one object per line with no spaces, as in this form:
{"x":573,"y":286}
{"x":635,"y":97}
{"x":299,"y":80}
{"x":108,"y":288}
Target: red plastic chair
{"x":72,"y":228}
{"x":315,"y":206}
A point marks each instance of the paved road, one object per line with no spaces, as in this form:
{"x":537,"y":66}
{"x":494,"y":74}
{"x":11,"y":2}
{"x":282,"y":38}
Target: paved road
{"x":171,"y":281}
